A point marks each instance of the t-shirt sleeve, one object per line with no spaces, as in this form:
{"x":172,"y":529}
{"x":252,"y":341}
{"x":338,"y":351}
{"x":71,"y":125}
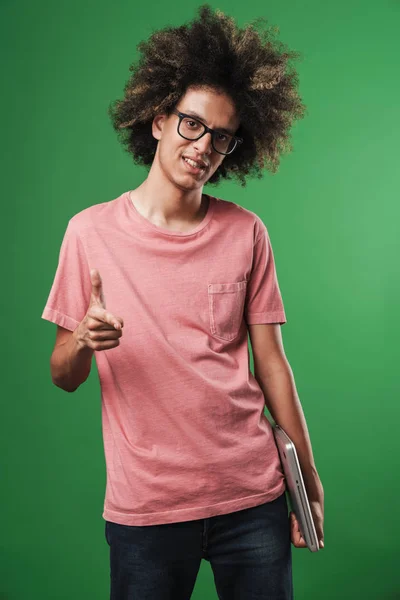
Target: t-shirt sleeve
{"x":70,"y":293}
{"x":264,"y":302}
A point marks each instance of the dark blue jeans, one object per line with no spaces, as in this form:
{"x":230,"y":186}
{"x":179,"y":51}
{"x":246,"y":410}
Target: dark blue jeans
{"x":249,"y":552}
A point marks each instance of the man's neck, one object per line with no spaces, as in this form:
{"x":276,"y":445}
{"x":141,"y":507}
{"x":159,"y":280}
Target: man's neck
{"x":165,"y":205}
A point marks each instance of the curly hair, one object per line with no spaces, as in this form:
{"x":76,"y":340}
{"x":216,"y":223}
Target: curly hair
{"x":249,"y":64}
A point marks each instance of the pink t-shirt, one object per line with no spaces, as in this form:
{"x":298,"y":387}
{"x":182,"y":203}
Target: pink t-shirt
{"x":184,"y":429}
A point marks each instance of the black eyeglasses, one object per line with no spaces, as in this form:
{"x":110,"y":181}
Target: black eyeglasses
{"x":192,"y":129}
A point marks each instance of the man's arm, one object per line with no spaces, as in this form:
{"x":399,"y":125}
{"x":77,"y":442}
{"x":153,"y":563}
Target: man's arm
{"x":274,"y":375}
{"x":70,"y":362}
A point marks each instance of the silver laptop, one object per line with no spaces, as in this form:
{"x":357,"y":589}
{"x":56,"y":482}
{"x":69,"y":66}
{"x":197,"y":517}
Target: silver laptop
{"x":295,"y":487}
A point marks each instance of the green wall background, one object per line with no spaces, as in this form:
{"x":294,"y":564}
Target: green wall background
{"x":332,"y":211}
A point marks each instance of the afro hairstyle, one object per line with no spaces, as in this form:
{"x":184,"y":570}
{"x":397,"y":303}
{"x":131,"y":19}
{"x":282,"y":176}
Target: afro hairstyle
{"x":249,"y":64}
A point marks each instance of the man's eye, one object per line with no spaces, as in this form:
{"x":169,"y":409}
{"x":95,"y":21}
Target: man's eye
{"x":222,"y":137}
{"x":191,"y":124}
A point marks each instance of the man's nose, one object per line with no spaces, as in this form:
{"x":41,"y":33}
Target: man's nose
{"x":203,"y":145}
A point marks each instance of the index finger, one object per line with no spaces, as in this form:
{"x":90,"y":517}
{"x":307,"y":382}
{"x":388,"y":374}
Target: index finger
{"x":108,"y":320}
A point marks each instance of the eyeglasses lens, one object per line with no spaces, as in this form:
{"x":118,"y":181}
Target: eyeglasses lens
{"x":192,"y":130}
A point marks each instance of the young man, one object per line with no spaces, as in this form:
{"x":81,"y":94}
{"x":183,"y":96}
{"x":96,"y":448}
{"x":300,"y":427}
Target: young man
{"x":162,"y":285}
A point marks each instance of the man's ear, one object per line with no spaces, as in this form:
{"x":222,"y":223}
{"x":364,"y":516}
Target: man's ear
{"x":157,"y":125}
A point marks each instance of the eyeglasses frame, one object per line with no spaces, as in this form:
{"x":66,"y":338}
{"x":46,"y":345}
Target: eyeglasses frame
{"x":182,"y":115}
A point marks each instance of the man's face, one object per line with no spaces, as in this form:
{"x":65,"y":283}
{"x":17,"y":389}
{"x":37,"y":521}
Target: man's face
{"x":212,"y":108}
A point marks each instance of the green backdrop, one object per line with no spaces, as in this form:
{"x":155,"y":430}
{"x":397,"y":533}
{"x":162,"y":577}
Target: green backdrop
{"x":332,"y":211}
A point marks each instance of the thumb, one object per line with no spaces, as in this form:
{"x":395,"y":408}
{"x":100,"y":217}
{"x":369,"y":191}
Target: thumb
{"x":97,"y":296}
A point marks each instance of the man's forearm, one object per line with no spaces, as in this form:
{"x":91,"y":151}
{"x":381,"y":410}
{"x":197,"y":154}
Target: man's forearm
{"x":70,"y":364}
{"x":284,"y":405}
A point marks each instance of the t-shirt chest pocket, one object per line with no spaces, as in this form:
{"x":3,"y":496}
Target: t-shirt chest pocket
{"x":226,"y":306}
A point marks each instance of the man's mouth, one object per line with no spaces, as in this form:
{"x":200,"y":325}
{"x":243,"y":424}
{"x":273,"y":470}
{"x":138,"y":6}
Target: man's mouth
{"x":196,"y":166}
